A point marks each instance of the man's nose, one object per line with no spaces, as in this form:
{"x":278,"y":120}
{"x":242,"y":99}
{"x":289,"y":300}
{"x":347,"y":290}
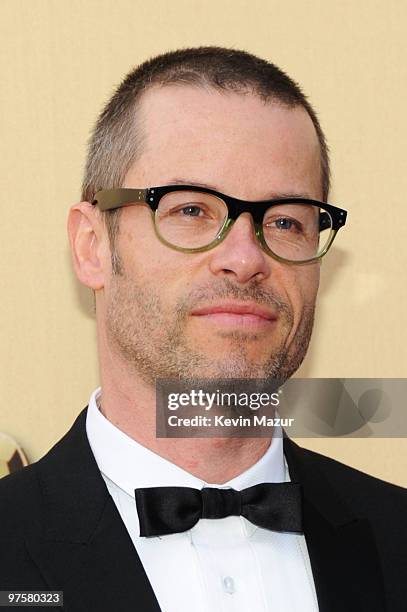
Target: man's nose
{"x":240,"y":254}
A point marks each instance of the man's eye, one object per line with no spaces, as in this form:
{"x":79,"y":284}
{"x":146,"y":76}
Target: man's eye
{"x":285,"y":223}
{"x":191,"y":211}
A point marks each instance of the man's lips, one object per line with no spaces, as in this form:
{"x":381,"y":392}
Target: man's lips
{"x":246,"y":314}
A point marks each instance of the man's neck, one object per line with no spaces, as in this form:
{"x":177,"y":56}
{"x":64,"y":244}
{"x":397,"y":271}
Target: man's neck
{"x":131,"y":408}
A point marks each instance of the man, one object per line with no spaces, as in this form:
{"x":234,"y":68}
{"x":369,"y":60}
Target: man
{"x":204,"y":264}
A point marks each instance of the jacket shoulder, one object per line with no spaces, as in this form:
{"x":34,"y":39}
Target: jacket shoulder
{"x":20,"y":501}
{"x":365,"y":494}
{"x":22,"y":493}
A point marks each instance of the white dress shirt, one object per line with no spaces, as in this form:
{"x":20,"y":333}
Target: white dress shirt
{"x":220,"y":565}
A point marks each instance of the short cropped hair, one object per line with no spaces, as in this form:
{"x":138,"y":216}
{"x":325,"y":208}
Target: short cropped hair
{"x":116,"y":140}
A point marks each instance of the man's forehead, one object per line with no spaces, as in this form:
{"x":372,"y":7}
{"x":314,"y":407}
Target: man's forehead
{"x":211,"y":135}
{"x":175,"y":105}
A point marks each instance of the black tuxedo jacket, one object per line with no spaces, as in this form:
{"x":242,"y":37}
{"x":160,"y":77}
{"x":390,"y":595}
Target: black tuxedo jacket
{"x":60,"y":530}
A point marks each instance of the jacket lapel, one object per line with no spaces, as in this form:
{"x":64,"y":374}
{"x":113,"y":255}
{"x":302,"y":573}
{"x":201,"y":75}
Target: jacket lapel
{"x":84,"y":548}
{"x":341,"y":546}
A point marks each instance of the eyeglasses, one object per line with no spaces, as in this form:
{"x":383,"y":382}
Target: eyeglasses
{"x":195,"y":219}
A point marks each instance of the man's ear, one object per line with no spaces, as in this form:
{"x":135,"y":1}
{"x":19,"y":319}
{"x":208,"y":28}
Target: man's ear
{"x":89,"y":245}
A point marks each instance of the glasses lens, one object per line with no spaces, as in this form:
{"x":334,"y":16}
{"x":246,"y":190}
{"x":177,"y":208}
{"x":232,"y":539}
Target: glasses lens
{"x":190,"y":219}
{"x":297,"y":232}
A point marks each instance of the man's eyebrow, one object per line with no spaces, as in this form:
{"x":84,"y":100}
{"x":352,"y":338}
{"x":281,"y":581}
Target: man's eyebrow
{"x":274,"y":195}
{"x":178,"y":181}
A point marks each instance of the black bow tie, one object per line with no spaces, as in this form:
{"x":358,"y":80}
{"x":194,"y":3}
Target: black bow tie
{"x":164,"y":510}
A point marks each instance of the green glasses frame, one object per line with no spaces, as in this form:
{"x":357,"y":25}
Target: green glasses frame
{"x":111,"y":199}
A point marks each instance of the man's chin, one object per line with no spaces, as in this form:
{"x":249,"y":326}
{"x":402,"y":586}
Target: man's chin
{"x":238,"y":349}
{"x":232,"y":364}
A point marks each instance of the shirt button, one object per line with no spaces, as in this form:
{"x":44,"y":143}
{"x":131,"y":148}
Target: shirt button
{"x":229,"y":585}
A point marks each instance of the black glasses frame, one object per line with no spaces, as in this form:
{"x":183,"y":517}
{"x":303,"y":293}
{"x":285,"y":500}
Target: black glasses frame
{"x":111,"y":199}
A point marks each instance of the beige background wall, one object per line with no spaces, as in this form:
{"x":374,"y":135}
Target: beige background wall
{"x":61,"y":61}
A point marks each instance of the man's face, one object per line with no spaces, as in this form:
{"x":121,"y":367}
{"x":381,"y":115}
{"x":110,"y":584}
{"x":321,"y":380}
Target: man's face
{"x":232,"y":311}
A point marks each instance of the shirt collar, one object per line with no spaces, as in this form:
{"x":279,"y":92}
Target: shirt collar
{"x":130,"y":465}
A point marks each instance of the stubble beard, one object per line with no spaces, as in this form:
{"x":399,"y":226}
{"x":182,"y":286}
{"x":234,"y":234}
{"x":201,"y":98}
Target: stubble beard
{"x":153,"y":342}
